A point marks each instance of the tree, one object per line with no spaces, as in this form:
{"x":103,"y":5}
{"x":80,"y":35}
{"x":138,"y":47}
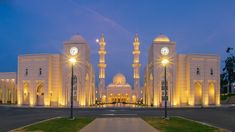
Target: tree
{"x":228,"y":74}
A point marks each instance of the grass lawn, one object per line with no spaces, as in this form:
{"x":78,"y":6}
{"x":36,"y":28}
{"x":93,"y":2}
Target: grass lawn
{"x":60,"y":125}
{"x":176,"y":124}
{"x":225,"y":96}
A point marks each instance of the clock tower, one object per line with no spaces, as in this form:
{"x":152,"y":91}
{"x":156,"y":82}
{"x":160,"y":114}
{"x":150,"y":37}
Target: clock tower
{"x":76,"y":48}
{"x":163,"y":48}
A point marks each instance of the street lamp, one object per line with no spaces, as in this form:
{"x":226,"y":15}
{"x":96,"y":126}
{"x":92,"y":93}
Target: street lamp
{"x":72,"y":61}
{"x":164,"y":63}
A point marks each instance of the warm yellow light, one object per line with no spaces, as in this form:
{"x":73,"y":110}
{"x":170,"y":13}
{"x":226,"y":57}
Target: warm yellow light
{"x":72,"y":60}
{"x":165,"y":62}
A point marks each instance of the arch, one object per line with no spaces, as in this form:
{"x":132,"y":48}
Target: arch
{"x":26,"y":93}
{"x":198,"y":93}
{"x":9,"y":95}
{"x":40,"y":94}
{"x":0,"y":95}
{"x":211,"y":93}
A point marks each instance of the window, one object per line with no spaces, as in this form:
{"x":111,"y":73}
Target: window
{"x":26,"y":72}
{"x":40,"y":71}
{"x":198,"y":71}
{"x":211,"y":71}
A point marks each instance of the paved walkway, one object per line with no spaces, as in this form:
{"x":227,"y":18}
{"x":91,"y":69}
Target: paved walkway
{"x":118,"y":125}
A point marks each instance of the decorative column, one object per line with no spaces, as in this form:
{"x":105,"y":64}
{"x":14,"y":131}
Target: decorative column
{"x":136,"y":65}
{"x":102,"y":66}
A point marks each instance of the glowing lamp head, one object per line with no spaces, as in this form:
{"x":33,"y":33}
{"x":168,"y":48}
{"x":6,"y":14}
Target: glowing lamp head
{"x":72,"y":60}
{"x":97,"y":40}
{"x":165,"y":62}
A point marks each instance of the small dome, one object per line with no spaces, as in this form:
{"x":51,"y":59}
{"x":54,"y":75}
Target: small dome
{"x":119,"y":79}
{"x":77,"y":39}
{"x":162,"y":38}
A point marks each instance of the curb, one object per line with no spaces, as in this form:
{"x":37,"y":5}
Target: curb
{"x":203,"y":123}
{"x":21,"y":128}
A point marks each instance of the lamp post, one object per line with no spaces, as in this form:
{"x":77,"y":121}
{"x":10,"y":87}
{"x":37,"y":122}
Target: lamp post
{"x":164,"y":63}
{"x":72,"y":61}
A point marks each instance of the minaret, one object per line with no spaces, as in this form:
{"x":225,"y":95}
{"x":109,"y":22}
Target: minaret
{"x":136,"y":65}
{"x":102,"y":66}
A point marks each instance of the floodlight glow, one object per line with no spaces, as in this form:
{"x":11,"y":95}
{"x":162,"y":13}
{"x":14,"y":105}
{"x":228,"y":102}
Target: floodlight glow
{"x":165,"y":62}
{"x":72,"y":60}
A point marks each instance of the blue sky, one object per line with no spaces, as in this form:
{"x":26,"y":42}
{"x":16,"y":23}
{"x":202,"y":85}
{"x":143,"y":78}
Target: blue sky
{"x":41,"y":26}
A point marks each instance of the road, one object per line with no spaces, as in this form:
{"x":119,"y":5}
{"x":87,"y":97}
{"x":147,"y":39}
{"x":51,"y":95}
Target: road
{"x":14,"y":117}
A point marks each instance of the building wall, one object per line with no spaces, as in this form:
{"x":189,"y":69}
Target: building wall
{"x":84,"y":93}
{"x":210,"y":82}
{"x":8,"y":88}
{"x":186,"y":87}
{"x":35,"y":88}
{"x":45,"y":79}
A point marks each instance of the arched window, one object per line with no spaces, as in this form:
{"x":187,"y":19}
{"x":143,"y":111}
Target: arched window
{"x":40,"y":71}
{"x":211,"y":71}
{"x":198,"y":71}
{"x":26,"y":72}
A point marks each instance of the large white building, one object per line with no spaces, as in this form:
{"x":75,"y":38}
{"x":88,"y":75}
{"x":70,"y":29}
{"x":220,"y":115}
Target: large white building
{"x":119,"y":91}
{"x":192,"y":79}
{"x":45,"y":79}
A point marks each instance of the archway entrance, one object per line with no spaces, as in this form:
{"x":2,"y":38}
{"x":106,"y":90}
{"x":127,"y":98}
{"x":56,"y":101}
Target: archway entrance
{"x":26,"y":93}
{"x":40,"y":94}
{"x":211,"y":93}
{"x":198,"y":93}
{"x":119,"y":99}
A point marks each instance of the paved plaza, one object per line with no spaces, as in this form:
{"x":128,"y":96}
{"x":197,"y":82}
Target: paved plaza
{"x":118,"y":124}
{"x":14,"y":117}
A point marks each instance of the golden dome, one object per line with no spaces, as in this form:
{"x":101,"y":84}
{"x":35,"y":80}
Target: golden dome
{"x":119,"y":79}
{"x":162,"y":38}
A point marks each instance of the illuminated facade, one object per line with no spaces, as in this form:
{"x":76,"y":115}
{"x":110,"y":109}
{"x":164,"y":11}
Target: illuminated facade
{"x":102,"y":66}
{"x":8,"y":88}
{"x":119,"y":90}
{"x":136,"y":66}
{"x":45,"y":79}
{"x":192,"y":80}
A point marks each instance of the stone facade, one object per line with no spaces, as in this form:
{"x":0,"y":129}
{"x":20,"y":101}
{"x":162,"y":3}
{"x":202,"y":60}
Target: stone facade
{"x":8,"y":88}
{"x":45,"y":79}
{"x":120,"y":91}
{"x":191,"y":79}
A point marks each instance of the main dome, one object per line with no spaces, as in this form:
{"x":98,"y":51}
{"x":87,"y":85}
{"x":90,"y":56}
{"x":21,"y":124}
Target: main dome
{"x":77,"y":39}
{"x":162,"y":38}
{"x":119,"y":79}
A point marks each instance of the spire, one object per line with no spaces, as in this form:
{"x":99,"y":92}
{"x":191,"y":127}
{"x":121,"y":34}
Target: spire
{"x":136,"y":39}
{"x":136,"y":65}
{"x":102,"y":38}
{"x":102,"y":66}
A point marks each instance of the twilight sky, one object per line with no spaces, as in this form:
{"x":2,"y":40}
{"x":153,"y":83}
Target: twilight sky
{"x":41,"y":26}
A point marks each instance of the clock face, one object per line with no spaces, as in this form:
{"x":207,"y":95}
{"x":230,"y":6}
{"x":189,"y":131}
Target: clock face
{"x":73,"y":51}
{"x":164,"y":51}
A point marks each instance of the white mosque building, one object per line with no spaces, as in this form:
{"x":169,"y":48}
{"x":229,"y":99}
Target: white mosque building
{"x":45,"y":79}
{"x":192,"y":79}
